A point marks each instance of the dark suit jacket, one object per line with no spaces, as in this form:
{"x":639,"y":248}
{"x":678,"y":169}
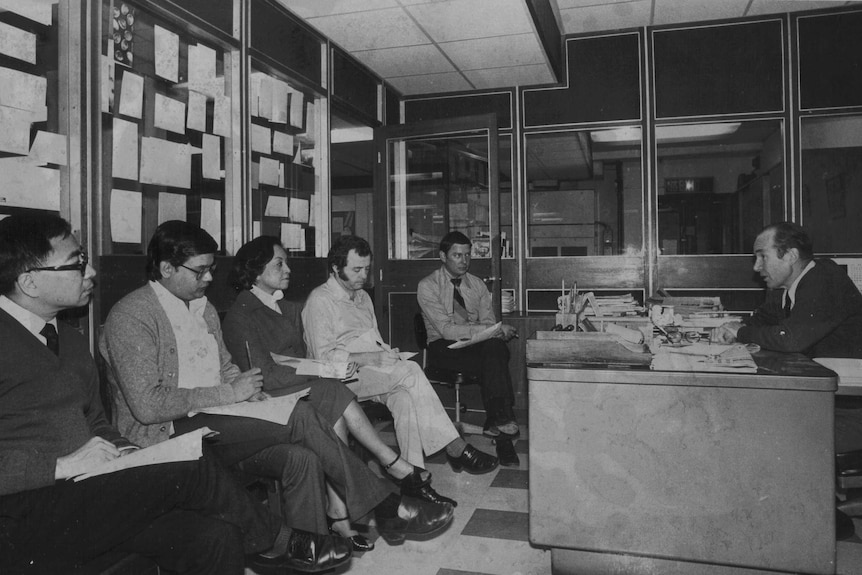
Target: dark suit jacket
{"x":826,"y":319}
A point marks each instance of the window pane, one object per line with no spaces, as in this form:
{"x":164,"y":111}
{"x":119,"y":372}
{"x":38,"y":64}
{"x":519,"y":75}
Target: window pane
{"x":352,"y":175}
{"x":718,"y":185}
{"x":831,"y":182}
{"x":584,"y":193}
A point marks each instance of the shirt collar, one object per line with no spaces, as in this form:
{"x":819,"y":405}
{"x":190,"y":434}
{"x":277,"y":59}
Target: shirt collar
{"x":196,"y":306}
{"x":791,"y":292}
{"x":32,"y":322}
{"x":338,"y":291}
{"x":269,"y":300}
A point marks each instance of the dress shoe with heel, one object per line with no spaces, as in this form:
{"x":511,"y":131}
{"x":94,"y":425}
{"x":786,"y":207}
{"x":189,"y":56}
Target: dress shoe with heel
{"x":416,"y":518}
{"x":506,"y":452}
{"x":360,"y":543}
{"x":473,"y":461}
{"x":308,"y":553}
{"x":414,"y":485}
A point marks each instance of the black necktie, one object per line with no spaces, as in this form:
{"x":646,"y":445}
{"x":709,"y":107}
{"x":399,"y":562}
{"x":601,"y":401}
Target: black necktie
{"x":49,"y":332}
{"x":787,"y":305}
{"x":458,"y":305}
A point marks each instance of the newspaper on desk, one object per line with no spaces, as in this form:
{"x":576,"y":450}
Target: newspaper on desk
{"x":272,"y":409}
{"x":186,"y":447}
{"x":734,"y":358}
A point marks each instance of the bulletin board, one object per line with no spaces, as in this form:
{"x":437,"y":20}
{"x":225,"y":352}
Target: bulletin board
{"x":167,"y":121}
{"x":34,"y":152}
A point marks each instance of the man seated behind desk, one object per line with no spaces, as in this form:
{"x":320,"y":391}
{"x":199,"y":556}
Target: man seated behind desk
{"x":261,"y":322}
{"x":189,"y":517}
{"x":812,"y":307}
{"x":337,"y":316}
{"x":166,"y":358}
{"x":457,"y":305}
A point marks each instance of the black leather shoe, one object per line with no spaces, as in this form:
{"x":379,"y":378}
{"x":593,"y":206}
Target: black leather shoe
{"x":414,"y":485}
{"x":414,"y":517}
{"x":473,"y":461}
{"x":358,"y":542}
{"x":310,"y":553}
{"x":427,"y":493}
{"x":506,"y":452}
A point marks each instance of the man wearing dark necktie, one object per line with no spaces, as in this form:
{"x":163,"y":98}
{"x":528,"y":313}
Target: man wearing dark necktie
{"x":457,"y":305}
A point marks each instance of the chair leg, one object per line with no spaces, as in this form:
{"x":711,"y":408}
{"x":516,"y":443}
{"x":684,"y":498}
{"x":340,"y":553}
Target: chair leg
{"x":457,"y":403}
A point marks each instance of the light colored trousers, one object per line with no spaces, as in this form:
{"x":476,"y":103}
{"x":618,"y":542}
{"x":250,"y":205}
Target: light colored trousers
{"x":421,"y":424}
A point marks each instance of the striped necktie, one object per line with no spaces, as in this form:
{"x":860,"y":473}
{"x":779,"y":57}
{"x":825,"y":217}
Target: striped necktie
{"x":458,"y":305}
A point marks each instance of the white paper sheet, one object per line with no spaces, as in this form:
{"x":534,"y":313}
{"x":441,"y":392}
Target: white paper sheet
{"x":280,"y":98}
{"x":211,"y":218}
{"x":167,"y":53}
{"x":255,"y":176}
{"x":25,"y":185}
{"x":22,"y":90}
{"x":197,"y":112}
{"x":17,"y":43}
{"x":171,"y":207}
{"x":124,"y":163}
{"x":299,"y":210}
{"x":170,"y":114}
{"x":277,"y":207}
{"x":165,"y":163}
{"x":261,"y":139}
{"x":275,"y":409}
{"x":202,"y":63}
{"x":221,"y":116}
{"x":269,"y":172}
{"x":126,"y":209}
{"x":107,"y":83}
{"x":292,"y":237}
{"x":483,"y":335}
{"x":15,"y":130}
{"x":305,"y":366}
{"x":131,"y":95}
{"x":297,"y":99}
{"x":211,"y":162}
{"x":254,"y":82}
{"x":282,"y":143}
{"x":49,"y":148}
{"x":265,"y":97}
{"x":186,"y":447}
{"x":35,"y":10}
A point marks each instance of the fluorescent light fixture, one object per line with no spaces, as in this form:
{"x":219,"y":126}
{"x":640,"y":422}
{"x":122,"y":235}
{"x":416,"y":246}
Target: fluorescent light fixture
{"x":345,"y":135}
{"x":666,"y":134}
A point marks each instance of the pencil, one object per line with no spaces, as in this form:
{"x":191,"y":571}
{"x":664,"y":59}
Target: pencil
{"x":248,"y":355}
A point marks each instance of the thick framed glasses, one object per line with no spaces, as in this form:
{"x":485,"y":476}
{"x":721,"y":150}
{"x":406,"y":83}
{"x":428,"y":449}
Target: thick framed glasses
{"x":81,"y":266}
{"x":199,"y":274}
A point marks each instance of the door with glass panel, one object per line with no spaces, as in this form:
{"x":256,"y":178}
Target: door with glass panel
{"x":432,"y":178}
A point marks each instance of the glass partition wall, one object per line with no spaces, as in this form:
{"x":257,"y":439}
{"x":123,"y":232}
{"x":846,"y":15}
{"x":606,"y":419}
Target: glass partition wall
{"x":352,"y":178}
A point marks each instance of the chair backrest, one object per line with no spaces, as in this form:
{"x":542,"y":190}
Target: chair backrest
{"x":419,"y":331}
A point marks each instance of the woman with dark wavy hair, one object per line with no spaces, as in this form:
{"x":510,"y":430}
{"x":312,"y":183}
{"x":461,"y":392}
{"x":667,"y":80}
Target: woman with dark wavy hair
{"x":261,"y":322}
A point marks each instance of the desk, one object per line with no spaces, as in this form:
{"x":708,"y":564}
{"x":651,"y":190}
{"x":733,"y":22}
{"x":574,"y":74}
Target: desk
{"x":635,"y":471}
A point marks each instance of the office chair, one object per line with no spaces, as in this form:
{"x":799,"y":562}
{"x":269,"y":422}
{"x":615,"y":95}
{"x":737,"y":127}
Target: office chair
{"x":449,"y":377}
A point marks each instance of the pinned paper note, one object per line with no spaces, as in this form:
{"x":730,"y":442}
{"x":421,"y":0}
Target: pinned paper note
{"x":221,"y":116}
{"x":277,"y":207}
{"x":21,"y":90}
{"x":49,"y":148}
{"x":25,"y":185}
{"x":36,"y":10}
{"x":165,"y":163}
{"x":17,"y":43}
{"x":170,"y":114}
{"x":171,"y":207}
{"x":261,"y":139}
{"x":211,"y":161}
{"x":131,"y":95}
{"x":265,"y":97}
{"x":254,"y":81}
{"x":280,"y":99}
{"x":106,"y":82}
{"x":269,"y":169}
{"x":202,"y":63}
{"x":197,"y":112}
{"x":211,"y":218}
{"x":126,"y":209}
{"x":299,"y":210}
{"x":167,"y":53}
{"x":293,"y":237}
{"x":15,"y":130}
{"x":255,"y":175}
{"x":124,"y":159}
{"x":282,"y":143}
{"x":297,"y":101}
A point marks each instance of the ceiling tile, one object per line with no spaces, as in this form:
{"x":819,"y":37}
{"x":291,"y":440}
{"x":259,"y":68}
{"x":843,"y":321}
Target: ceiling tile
{"x":612,"y":16}
{"x":511,"y":76}
{"x":495,"y":52}
{"x":311,"y":8}
{"x":405,"y":61}
{"x":370,"y":30}
{"x":565,"y":4}
{"x":777,"y":6}
{"x":430,"y":83}
{"x":673,"y":11}
{"x":465,"y":19}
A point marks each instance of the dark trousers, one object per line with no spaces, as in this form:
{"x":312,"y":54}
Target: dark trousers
{"x":190,"y":517}
{"x":489,"y":360}
{"x":299,"y":455}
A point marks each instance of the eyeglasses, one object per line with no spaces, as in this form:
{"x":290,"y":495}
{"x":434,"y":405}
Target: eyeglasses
{"x":199,"y":274}
{"x":81,"y":266}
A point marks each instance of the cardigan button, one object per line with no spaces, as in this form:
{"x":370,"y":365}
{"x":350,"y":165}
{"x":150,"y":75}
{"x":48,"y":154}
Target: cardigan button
{"x":172,"y":351}
{"x":163,"y":428}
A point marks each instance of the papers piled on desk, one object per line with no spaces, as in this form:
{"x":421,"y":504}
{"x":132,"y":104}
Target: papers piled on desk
{"x":605,"y":306}
{"x":733,"y":358}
